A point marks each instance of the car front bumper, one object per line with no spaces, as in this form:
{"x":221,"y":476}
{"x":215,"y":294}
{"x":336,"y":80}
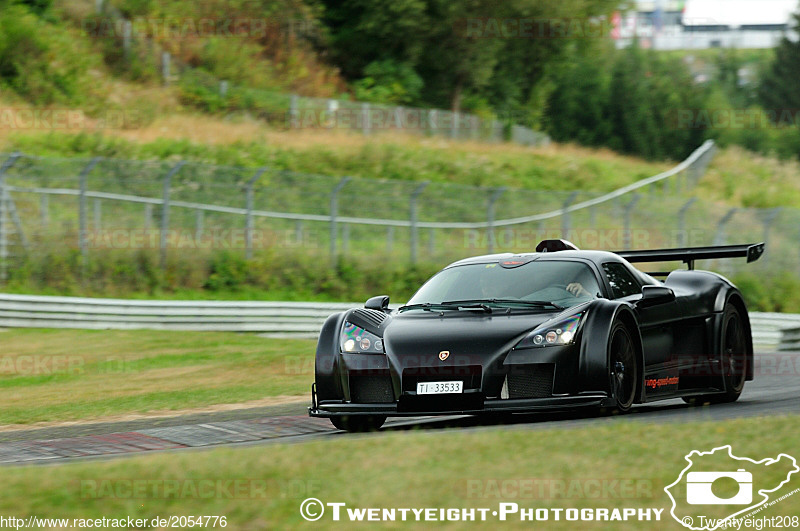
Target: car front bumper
{"x":327,"y":409}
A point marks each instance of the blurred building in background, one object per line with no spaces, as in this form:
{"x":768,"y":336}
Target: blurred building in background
{"x":699,"y":24}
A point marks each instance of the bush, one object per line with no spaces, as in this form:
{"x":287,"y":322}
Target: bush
{"x":778,"y":292}
{"x":389,"y":82}
{"x":42,"y":62}
{"x":270,"y":275}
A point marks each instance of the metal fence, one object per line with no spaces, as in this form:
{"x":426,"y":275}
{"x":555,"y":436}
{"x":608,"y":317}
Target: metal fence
{"x":291,"y":111}
{"x":99,"y":205}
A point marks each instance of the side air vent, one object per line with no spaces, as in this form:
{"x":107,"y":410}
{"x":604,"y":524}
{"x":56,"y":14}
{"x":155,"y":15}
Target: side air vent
{"x":372,"y":318}
{"x":534,"y":380}
{"x":371,"y":387}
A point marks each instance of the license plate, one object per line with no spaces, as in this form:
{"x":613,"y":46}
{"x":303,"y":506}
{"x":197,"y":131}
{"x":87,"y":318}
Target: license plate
{"x":439,"y":388}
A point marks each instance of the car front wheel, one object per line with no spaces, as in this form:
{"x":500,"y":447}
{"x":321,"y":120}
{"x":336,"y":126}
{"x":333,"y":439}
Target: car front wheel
{"x":624,"y":367}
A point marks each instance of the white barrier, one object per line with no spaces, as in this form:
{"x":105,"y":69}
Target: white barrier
{"x":294,"y":319}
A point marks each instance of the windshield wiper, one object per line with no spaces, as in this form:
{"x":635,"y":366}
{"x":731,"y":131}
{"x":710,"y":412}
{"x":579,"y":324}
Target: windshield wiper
{"x":455,"y":305}
{"x":475,"y":306}
{"x":536,"y":304}
{"x":471,"y":304}
{"x":427,"y":306}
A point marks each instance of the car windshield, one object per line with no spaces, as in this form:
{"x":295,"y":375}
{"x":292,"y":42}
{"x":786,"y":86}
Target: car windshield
{"x":562,"y":283}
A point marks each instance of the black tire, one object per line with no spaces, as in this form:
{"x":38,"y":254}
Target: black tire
{"x":733,"y":344}
{"x":358,"y":423}
{"x":623,"y":367}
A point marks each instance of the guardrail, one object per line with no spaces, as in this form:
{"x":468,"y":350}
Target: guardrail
{"x":302,"y":319}
{"x":771,"y":331}
{"x":790,"y":339}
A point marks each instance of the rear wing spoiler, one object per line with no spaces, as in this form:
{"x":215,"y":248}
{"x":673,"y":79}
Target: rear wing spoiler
{"x":688,"y":255}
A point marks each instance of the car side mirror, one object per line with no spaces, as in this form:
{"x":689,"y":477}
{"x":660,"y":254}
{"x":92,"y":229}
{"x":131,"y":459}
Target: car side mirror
{"x":380,"y":303}
{"x":653,"y":295}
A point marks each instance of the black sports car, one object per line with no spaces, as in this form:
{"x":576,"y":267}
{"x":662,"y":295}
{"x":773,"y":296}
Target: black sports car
{"x":554,"y":329}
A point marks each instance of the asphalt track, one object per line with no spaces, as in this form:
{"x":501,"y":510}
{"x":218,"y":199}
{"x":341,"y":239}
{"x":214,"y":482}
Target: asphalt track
{"x":775,"y":391}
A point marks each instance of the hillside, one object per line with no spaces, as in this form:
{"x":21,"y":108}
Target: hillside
{"x":736,"y":177}
{"x":251,"y":143}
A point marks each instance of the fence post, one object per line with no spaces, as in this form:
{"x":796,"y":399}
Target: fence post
{"x":165,"y":71}
{"x":44,"y":210}
{"x":12,"y":209}
{"x":769,"y":218}
{"x":626,"y":231}
{"x":3,"y":231}
{"x":682,"y":239}
{"x":431,"y":241}
{"x":294,"y":112}
{"x":98,"y":213}
{"x":248,"y":230}
{"x":412,"y":214}
{"x":719,"y":238}
{"x":10,"y":161}
{"x":493,"y":197}
{"x":454,"y":125}
{"x":334,"y":215}
{"x":83,"y":229}
{"x":199,"y":223}
{"x":565,"y":218}
{"x":365,"y":119}
{"x":148,"y":216}
{"x":223,"y":88}
{"x":333,"y":111}
{"x":127,"y":31}
{"x":165,"y":213}
{"x":298,"y":233}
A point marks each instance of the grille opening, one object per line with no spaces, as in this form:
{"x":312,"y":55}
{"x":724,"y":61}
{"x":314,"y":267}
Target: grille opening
{"x":371,"y":387}
{"x":533,"y":380}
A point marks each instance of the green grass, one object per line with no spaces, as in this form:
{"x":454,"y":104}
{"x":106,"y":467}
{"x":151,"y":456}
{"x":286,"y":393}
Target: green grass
{"x":61,"y":375}
{"x":404,"y":469}
{"x":404,"y":157}
{"x":742,"y":178}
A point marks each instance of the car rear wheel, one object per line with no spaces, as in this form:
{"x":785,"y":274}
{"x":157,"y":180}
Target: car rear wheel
{"x":624,"y":367}
{"x":733,"y":361}
{"x":358,"y":423}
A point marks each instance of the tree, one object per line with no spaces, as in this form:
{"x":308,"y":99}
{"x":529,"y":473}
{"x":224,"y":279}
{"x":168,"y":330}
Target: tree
{"x":780,"y":86}
{"x":456,"y":61}
{"x":369,"y":31}
{"x":434,"y":38}
{"x":577,"y":106}
{"x":630,"y":107}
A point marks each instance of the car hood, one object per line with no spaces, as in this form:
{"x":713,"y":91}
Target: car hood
{"x":416,"y":338}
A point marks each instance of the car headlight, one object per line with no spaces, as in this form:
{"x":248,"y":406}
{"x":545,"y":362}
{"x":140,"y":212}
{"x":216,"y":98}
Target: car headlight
{"x":560,"y":333}
{"x":356,"y":339}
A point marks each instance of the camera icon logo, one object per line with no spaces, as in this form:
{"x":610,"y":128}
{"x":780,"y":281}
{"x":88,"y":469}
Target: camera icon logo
{"x":699,"y":492}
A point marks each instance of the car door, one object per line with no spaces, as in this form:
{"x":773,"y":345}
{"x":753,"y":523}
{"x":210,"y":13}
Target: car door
{"x":656,"y":323}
